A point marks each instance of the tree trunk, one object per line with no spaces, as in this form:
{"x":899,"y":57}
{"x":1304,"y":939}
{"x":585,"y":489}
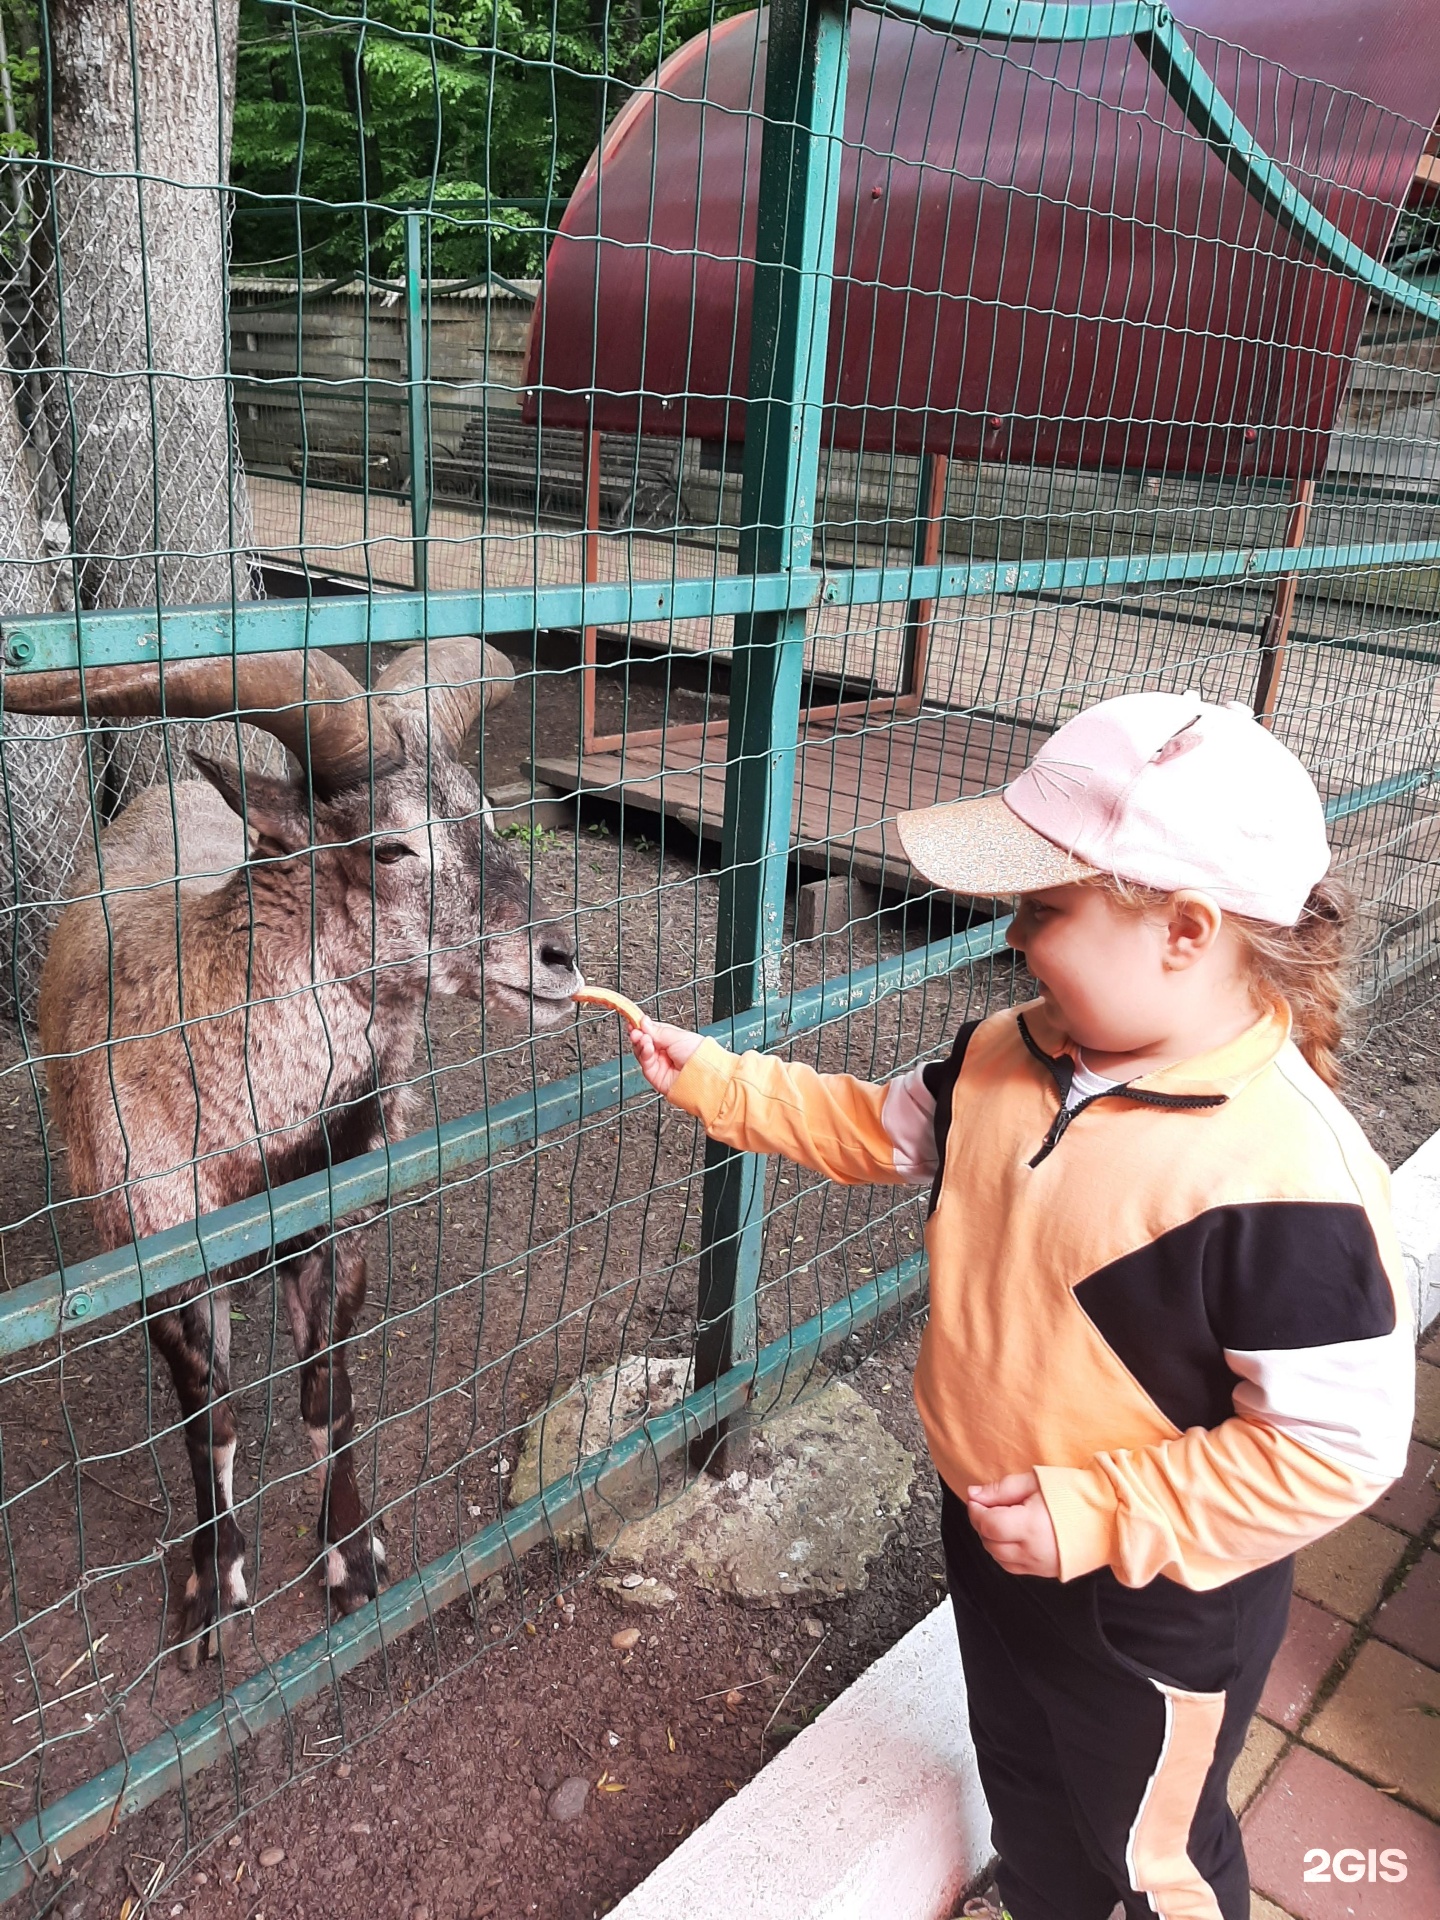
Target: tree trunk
{"x":44,"y":786}
{"x":141,"y":100}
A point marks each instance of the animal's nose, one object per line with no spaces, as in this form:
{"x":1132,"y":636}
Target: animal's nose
{"x":555,"y":950}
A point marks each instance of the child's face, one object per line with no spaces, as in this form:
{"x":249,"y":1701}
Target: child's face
{"x":1109,"y":973}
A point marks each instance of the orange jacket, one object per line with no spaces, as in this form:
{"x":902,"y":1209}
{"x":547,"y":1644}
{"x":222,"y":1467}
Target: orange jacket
{"x":1183,"y":1303}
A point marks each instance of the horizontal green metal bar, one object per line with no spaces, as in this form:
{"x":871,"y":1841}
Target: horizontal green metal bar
{"x":271,"y":626}
{"x":1264,"y":179}
{"x":40,"y":642}
{"x":1217,"y":565}
{"x":91,"y":1290}
{"x":1040,"y":20}
{"x":1379,"y":792}
{"x":94,"y":1809}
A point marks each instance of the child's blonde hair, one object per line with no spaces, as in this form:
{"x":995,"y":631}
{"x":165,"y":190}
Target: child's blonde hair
{"x":1307,"y":965}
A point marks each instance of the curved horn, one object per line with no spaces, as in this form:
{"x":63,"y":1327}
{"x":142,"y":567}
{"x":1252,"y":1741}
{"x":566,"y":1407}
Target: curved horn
{"x":310,"y":703}
{"x":448,"y":683}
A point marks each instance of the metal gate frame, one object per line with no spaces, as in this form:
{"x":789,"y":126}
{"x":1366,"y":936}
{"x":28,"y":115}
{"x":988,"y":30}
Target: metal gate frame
{"x":774,"y":589}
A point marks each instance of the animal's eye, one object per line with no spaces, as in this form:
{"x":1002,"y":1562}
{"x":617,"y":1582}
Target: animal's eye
{"x":389,"y":853}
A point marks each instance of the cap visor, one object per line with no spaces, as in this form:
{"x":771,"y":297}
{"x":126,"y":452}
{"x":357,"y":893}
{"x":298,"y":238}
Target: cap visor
{"x":980,"y":847}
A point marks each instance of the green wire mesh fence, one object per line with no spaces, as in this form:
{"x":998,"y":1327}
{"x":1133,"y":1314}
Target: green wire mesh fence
{"x":889,"y":386}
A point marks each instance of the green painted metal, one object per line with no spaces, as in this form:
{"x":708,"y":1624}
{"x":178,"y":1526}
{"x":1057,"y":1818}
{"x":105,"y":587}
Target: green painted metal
{"x":1263,"y":178}
{"x":1157,"y":34}
{"x":92,"y":1810}
{"x":36,"y":643}
{"x":417,"y":399}
{"x":1379,"y":793}
{"x":1041,"y":20}
{"x":795,"y":248}
{"x":89,"y":1291}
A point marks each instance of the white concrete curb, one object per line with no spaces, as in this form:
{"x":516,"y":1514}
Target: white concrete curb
{"x":1415,"y":1198}
{"x":876,"y":1809}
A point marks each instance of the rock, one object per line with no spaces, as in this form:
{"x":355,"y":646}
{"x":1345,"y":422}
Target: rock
{"x":815,"y":1628}
{"x":734,"y":1698}
{"x":818,"y":1503}
{"x":568,"y":1801}
{"x":627,"y":1638}
{"x":419,"y":1913}
{"x":647,"y":1593}
{"x":272,"y":1856}
{"x":633,"y":1580}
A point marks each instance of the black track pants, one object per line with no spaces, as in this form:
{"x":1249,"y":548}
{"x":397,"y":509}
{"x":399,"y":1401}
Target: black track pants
{"x":1106,"y":1721}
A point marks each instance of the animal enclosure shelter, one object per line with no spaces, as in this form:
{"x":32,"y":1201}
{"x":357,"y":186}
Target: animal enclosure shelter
{"x":484,"y":507}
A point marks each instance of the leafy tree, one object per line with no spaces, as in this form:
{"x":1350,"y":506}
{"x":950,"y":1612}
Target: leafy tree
{"x":487,"y":109}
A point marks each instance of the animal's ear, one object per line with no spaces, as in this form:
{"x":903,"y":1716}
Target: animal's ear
{"x":272,"y":808}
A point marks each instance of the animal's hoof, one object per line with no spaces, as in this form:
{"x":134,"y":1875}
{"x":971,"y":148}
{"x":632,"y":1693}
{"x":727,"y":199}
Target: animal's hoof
{"x":207,"y":1623}
{"x":354,"y":1571}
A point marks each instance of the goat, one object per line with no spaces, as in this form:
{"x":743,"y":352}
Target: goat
{"x":235,"y":999}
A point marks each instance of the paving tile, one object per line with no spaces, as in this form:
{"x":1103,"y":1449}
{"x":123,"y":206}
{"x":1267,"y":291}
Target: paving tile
{"x":1410,"y":1619}
{"x":1384,"y":1721}
{"x":1262,"y":1744}
{"x":1427,"y":1404}
{"x":1310,"y":1802}
{"x":1411,"y":1504}
{"x":1345,"y":1571}
{"x":1314,"y":1641}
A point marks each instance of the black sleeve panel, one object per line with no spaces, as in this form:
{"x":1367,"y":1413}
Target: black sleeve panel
{"x":940,"y":1077}
{"x":1275,"y":1274}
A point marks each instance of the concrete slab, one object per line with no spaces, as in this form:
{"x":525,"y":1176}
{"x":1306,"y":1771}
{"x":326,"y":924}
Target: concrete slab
{"x":1383,"y":1721}
{"x":1311,"y":1803}
{"x":1415,"y":1202}
{"x":873,"y":1810}
{"x":1314,"y":1641}
{"x":1346,"y":1571}
{"x":1410,"y":1619}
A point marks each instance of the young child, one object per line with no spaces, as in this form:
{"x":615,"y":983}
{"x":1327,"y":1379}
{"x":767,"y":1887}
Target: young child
{"x":1169,"y":1338}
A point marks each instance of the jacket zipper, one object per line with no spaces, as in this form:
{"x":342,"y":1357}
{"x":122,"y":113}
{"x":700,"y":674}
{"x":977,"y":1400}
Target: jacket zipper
{"x":1062,"y":1070}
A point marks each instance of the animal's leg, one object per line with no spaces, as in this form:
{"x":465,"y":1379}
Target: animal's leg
{"x":325,"y":1292}
{"x":195,"y":1340}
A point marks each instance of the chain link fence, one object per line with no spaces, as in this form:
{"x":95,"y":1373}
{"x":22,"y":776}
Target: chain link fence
{"x":1131,"y":381}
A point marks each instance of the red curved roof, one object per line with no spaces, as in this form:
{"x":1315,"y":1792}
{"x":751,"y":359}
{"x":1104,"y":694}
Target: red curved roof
{"x":1036,"y":258}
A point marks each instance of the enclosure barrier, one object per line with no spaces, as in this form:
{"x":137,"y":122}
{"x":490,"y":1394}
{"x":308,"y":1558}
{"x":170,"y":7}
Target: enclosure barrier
{"x":777,"y":598}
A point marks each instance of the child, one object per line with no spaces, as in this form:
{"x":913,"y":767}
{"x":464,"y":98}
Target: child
{"x":1169,"y":1338}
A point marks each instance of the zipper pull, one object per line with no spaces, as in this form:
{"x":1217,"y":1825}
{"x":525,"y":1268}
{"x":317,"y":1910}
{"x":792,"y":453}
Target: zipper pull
{"x":1057,"y":1130}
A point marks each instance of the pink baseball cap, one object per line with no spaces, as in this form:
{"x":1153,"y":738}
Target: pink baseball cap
{"x":1161,"y":789}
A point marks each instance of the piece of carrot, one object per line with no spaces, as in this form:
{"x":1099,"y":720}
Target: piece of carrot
{"x":616,"y":1002}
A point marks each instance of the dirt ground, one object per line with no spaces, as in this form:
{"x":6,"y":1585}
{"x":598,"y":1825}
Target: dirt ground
{"x":420,"y":1786}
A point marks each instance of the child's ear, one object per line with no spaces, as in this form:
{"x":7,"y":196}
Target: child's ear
{"x":1192,"y":927}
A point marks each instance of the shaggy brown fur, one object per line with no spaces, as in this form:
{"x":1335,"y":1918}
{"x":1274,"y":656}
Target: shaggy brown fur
{"x":242,"y":1008}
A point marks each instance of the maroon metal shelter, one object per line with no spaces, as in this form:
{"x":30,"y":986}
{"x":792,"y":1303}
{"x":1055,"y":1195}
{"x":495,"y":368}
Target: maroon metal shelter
{"x":1037,"y":259}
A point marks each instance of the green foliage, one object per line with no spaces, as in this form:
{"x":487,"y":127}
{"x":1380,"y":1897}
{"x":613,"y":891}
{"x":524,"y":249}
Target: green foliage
{"x":488,"y":109}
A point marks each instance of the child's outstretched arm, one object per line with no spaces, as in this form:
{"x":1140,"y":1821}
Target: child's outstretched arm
{"x":852,"y":1131}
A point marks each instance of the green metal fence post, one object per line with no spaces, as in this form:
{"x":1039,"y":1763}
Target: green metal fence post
{"x":795,"y":252}
{"x":416,"y":397}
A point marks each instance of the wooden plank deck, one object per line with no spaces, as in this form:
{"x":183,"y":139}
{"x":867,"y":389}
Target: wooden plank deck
{"x":852,"y":777}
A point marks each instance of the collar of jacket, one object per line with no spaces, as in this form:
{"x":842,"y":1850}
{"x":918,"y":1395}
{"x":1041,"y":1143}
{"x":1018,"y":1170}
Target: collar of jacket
{"x":1220,"y":1073}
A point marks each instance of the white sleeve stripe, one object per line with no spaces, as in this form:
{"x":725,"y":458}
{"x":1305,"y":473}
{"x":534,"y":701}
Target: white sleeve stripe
{"x":1352,"y":1402}
{"x":908,"y":1117}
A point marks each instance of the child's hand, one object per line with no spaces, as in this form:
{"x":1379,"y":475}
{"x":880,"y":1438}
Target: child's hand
{"x":1012,"y":1519}
{"x":662,"y":1051}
